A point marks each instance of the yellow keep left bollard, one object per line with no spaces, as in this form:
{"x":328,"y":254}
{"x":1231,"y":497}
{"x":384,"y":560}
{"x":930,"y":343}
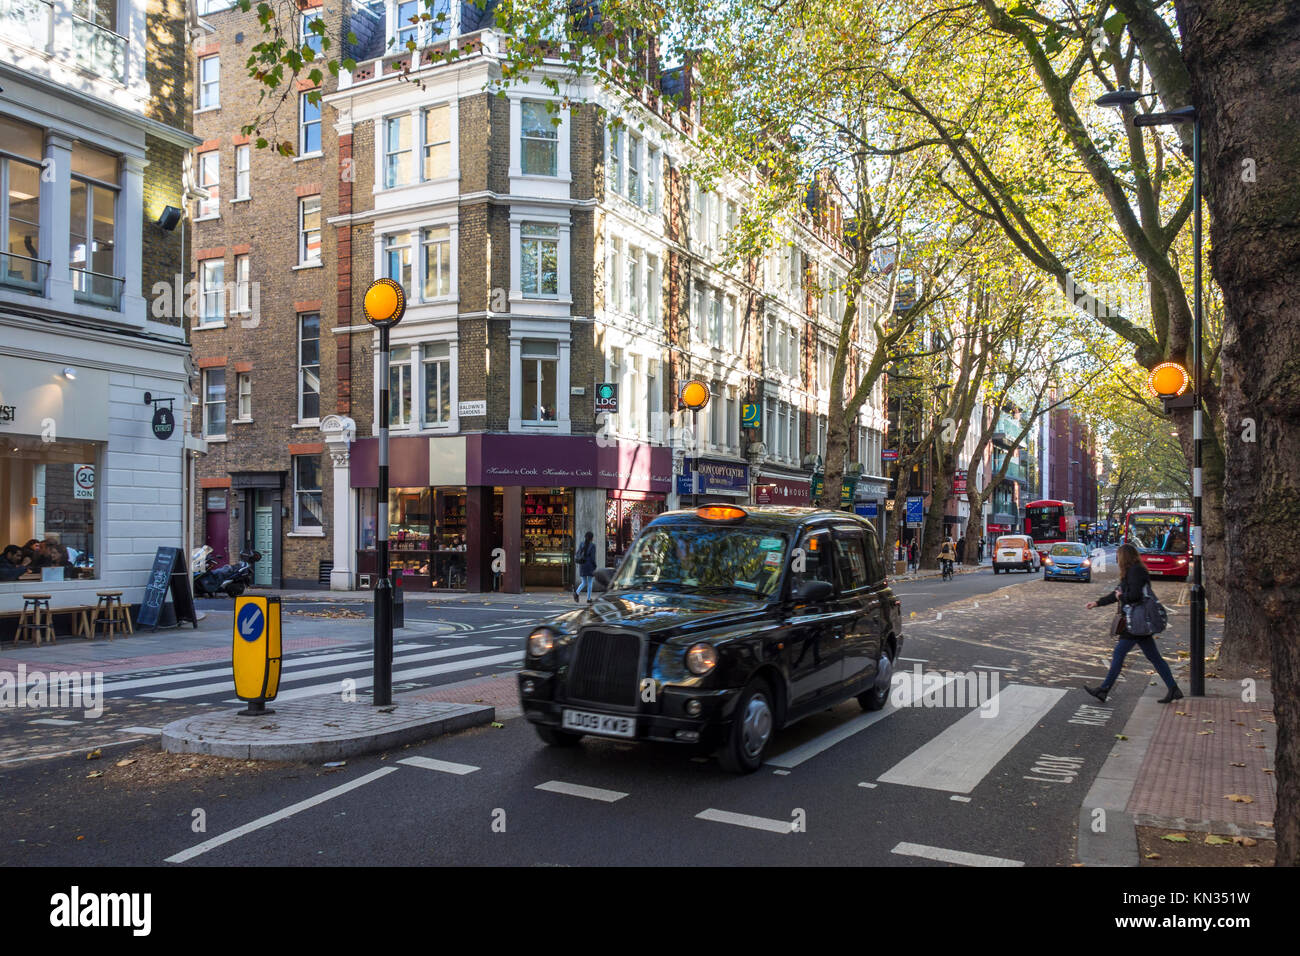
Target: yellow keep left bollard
{"x":256,"y":652}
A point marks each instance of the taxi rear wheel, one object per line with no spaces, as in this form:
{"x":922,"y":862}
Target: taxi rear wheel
{"x":555,"y":737}
{"x":878,"y":695}
{"x":751,"y":729}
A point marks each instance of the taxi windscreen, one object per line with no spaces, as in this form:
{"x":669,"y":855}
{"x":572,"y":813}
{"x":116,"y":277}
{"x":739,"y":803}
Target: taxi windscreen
{"x":704,"y":557}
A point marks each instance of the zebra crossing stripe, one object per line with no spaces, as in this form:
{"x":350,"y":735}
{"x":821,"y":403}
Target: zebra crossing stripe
{"x":223,"y":669}
{"x":578,"y":790}
{"x":291,"y":675}
{"x":443,"y":766}
{"x":360,"y":683}
{"x":959,"y":758}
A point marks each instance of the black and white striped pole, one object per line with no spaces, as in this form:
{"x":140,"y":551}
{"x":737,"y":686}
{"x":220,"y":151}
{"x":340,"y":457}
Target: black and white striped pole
{"x":385,"y":304}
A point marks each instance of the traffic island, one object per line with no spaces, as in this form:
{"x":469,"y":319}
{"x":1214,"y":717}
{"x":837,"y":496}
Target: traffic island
{"x":320,"y":728}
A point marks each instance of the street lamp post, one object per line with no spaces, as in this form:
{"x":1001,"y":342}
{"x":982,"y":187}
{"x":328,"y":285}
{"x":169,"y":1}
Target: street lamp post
{"x":1187,"y":114}
{"x":385,"y":304}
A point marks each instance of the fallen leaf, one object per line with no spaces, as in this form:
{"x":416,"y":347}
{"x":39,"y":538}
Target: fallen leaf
{"x":1204,"y":733}
{"x":1120,"y":737}
{"x":1238,"y":798}
{"x":1264,"y":823}
{"x":497,"y":724}
{"x":1154,"y":856}
{"x":1213,"y":840}
{"x":1245,"y":841}
{"x":81,"y":838}
{"x":124,"y":763}
{"x":337,"y":763}
{"x":93,"y":774}
{"x":1265,"y":770}
{"x":93,"y":755}
{"x":1176,"y":838}
{"x":1236,"y":764}
{"x":1181,"y":713}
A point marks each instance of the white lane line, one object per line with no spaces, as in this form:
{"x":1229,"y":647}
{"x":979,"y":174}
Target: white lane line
{"x":444,"y":766}
{"x":991,"y":667}
{"x":960,"y":757}
{"x":360,"y":683}
{"x":960,"y":857}
{"x":959,"y":799}
{"x":869,"y":786}
{"x":75,"y":750}
{"x":745,"y":820}
{"x":915,"y":660}
{"x":577,"y":790}
{"x":141,"y":730}
{"x":279,"y":815}
{"x":292,"y":674}
{"x":55,"y":721}
{"x":781,"y":773}
{"x":909,"y":688}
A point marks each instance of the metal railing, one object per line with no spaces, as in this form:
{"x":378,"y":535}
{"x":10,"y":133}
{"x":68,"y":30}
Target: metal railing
{"x":96,"y":288}
{"x":23,"y":273}
{"x":27,"y":23}
{"x":97,"y":50}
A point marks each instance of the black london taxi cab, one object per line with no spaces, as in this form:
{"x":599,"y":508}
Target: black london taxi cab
{"x":720,"y":626}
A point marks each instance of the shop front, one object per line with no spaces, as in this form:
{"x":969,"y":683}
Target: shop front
{"x":713,"y":481}
{"x":89,"y":488}
{"x":869,"y":501}
{"x":502,"y":512}
{"x":778,"y":489}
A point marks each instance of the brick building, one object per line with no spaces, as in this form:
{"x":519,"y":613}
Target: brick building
{"x":94,"y":123}
{"x":1067,"y":462}
{"x":546,"y":249}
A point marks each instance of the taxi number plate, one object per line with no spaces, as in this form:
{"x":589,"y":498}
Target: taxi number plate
{"x":606,"y":724}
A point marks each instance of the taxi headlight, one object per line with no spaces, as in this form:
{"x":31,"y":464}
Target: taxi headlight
{"x":540,"y":642}
{"x":701,"y":658}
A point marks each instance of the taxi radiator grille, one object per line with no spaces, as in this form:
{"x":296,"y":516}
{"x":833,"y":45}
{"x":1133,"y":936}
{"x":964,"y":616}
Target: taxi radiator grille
{"x":605,"y":668}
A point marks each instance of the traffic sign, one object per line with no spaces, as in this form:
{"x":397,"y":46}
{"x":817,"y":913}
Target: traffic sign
{"x":256,"y":652}
{"x":915,"y":511}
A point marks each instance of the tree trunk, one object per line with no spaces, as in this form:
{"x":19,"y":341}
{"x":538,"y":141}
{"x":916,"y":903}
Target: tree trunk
{"x":939,"y":490}
{"x":974,"y":525}
{"x":1245,"y":71}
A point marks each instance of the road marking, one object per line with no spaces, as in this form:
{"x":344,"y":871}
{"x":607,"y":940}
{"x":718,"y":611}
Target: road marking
{"x":55,"y":721}
{"x":960,"y":857}
{"x":745,"y":820}
{"x":445,"y":766}
{"x":960,"y":757}
{"x":577,"y":790}
{"x":959,"y":799}
{"x":781,"y":773}
{"x":915,"y":660}
{"x":910,"y":689}
{"x":361,"y":683}
{"x":991,"y":667}
{"x":292,"y":674}
{"x":224,"y":669}
{"x":141,"y":730}
{"x":279,"y":815}
{"x":869,"y":786}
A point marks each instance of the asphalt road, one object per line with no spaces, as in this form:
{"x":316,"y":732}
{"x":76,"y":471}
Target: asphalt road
{"x":926,"y":781}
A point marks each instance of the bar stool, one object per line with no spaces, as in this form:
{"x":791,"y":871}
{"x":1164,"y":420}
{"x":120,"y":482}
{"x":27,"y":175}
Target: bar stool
{"x":36,"y":621}
{"x":110,"y":615}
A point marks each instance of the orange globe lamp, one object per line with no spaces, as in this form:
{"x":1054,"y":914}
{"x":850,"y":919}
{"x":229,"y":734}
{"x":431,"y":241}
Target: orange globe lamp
{"x":695,"y":395}
{"x":1168,"y":379}
{"x":384,"y":303}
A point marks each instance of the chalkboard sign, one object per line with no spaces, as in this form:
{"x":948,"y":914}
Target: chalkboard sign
{"x":168,"y":572}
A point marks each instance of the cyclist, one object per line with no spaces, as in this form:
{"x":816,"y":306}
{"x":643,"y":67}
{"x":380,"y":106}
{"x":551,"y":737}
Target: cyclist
{"x":947,"y":555}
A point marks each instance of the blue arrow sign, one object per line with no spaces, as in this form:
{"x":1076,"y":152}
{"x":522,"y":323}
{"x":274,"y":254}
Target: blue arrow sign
{"x":251,"y":622}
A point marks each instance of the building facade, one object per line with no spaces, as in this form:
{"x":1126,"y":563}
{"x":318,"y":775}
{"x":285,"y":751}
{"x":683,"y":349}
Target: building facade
{"x":94,"y":124}
{"x":1067,"y":460}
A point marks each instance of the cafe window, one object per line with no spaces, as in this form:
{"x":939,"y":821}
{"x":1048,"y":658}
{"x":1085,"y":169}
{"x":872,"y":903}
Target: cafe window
{"x":54,"y":488}
{"x":308,"y":499}
{"x":540,"y":374}
{"x":548,"y":541}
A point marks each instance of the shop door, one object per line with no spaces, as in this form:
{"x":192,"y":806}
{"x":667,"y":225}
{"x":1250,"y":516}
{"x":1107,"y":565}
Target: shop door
{"x":263,"y":541}
{"x":217,"y":534}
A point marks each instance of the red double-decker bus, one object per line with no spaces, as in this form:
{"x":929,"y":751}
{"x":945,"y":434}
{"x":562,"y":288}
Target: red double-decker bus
{"x":1163,"y":540}
{"x":1049,"y":521}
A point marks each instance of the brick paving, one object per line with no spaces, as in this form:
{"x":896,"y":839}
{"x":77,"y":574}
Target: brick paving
{"x":501,"y":692}
{"x":1203,"y":750}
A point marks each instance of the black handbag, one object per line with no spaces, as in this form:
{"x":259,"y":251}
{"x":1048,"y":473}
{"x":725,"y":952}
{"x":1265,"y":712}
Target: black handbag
{"x":1148,"y":618}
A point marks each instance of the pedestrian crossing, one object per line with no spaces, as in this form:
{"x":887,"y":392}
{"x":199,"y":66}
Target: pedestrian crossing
{"x":311,"y":675}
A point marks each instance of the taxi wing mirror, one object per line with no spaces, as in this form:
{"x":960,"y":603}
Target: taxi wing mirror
{"x":813,"y":592}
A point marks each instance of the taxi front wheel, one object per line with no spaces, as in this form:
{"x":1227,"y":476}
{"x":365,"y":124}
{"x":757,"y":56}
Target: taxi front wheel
{"x":751,"y":728}
{"x":555,"y":737}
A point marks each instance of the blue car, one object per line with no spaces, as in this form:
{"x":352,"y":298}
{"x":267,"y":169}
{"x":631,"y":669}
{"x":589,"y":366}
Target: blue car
{"x":1068,"y":560}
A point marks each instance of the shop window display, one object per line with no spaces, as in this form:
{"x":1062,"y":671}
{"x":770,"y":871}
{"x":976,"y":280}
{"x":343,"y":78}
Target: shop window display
{"x":548,"y":538}
{"x":51,"y":531}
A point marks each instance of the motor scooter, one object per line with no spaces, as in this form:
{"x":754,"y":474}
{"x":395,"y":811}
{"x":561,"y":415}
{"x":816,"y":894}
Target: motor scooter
{"x":230,"y":580}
